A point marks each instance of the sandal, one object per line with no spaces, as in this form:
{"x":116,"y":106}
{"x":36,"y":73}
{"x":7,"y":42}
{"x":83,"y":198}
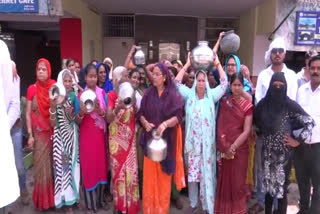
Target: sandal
{"x":255,"y":209}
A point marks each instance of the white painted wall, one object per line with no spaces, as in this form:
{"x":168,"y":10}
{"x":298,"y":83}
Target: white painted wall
{"x":117,"y":49}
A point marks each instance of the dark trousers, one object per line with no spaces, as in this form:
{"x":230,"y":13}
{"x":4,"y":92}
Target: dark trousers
{"x":307,"y":166}
{"x":282,"y":204}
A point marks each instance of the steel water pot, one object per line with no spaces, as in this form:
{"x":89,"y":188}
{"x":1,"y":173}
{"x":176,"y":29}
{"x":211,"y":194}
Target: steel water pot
{"x":156,"y":148}
{"x":202,"y":56}
{"x":139,"y":57}
{"x":230,"y":43}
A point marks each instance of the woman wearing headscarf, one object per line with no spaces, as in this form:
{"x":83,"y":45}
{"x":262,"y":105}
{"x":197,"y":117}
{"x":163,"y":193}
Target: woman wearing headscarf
{"x":103,"y":77}
{"x":66,"y":163}
{"x":200,"y":149}
{"x":108,"y":61}
{"x":70,"y":65}
{"x":276,"y":117}
{"x":122,"y":149}
{"x":9,"y":182}
{"x":233,"y":131}
{"x":40,"y":132}
{"x":161,"y":109}
{"x":232,"y":66}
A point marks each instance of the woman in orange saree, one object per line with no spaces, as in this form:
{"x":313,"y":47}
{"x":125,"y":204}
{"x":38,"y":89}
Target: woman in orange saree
{"x":161,"y":109}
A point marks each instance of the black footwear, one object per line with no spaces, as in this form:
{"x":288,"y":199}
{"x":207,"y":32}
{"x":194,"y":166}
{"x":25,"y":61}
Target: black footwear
{"x":179,"y":204}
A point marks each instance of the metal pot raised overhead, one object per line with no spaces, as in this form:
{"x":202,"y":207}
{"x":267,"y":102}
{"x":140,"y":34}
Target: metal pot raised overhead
{"x":88,"y":97}
{"x":57,"y":92}
{"x":139,"y":57}
{"x":202,"y":56}
{"x":230,"y":43}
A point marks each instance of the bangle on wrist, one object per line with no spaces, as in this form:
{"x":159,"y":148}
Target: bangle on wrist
{"x":80,"y":117}
{"x":52,"y":112}
{"x":165,"y":124}
{"x":217,"y":64}
{"x":30,"y":135}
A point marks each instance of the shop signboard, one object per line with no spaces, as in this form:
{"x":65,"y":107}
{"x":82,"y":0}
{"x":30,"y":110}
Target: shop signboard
{"x":19,"y":6}
{"x":307,"y":28}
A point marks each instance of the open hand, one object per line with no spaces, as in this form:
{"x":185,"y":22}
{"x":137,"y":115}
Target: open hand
{"x":30,"y":143}
{"x":221,"y":35}
{"x":289,"y":141}
{"x":188,"y":63}
{"x":69,"y":109}
{"x":161,"y":128}
{"x":148,"y":126}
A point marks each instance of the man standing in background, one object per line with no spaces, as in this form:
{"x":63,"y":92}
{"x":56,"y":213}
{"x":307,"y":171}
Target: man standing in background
{"x":9,"y":184}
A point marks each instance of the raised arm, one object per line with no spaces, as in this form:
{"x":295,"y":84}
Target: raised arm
{"x":222,"y":73}
{"x":216,"y":46}
{"x":149,"y":69}
{"x":129,"y":57}
{"x":183,"y":70}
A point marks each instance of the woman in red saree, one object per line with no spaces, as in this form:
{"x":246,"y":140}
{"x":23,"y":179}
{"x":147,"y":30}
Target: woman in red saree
{"x":122,"y":148}
{"x":234,"y":128}
{"x":40,"y":132}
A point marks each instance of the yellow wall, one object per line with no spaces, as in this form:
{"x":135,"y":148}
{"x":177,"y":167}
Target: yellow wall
{"x":266,"y":16}
{"x":256,"y":21}
{"x":92,"y":32}
{"x":247,"y":34}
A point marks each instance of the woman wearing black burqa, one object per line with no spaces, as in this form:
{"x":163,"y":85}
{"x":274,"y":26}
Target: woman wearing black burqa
{"x":276,"y":117}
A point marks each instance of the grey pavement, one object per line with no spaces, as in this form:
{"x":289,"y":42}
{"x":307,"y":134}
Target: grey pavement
{"x":18,"y":208}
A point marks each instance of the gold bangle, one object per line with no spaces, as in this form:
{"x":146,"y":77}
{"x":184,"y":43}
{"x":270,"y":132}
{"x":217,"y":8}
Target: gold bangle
{"x":217,"y":64}
{"x":30,"y":135}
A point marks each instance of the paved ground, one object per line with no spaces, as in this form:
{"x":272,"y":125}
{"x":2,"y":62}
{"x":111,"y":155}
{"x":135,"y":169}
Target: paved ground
{"x":18,"y":208}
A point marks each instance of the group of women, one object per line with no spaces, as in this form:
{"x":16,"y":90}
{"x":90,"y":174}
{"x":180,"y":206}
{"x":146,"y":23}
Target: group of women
{"x":73,"y":145}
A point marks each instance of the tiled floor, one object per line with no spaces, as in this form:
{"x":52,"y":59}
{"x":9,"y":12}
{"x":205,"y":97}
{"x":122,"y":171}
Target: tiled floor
{"x":293,"y":198}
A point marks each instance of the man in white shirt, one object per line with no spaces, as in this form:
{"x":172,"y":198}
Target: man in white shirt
{"x":274,"y":57}
{"x":307,"y":155}
{"x":9,"y":184}
{"x":304,"y":75}
{"x":13,"y":111}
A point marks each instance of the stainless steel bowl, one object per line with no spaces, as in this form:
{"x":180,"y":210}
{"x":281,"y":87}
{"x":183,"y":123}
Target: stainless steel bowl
{"x":126,"y":94}
{"x":57,"y":92}
{"x":88,"y":97}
